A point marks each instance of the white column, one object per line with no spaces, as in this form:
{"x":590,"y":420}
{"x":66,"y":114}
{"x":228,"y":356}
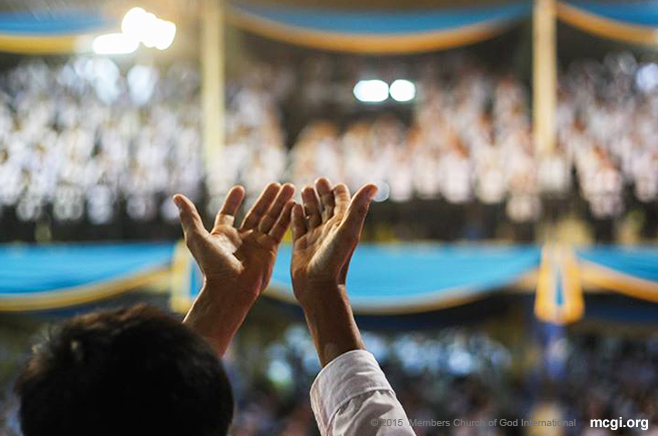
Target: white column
{"x":212,"y":81}
{"x":544,"y":76}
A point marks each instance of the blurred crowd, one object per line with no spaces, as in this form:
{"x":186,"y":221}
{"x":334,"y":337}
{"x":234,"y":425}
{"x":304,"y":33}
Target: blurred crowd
{"x":469,"y":139}
{"x":76,"y":139}
{"x":454,"y":374}
{"x":447,"y":374}
{"x":93,"y":142}
{"x":459,"y":374}
{"x":610,"y":377}
{"x":255,"y":152}
{"x":608,"y":131}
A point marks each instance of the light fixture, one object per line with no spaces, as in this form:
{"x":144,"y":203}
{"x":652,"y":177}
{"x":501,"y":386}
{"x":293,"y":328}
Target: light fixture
{"x":165,"y":32}
{"x":135,"y":23}
{"x":403,"y":90}
{"x":371,"y":91}
{"x":150,"y":30}
{"x":114,"y":43}
{"x":138,"y":26}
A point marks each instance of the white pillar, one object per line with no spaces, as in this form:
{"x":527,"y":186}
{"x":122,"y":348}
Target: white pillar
{"x":544,"y":77}
{"x":212,"y":81}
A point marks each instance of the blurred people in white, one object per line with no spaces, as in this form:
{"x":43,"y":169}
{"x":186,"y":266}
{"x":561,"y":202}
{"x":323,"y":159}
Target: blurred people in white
{"x":607,"y":120}
{"x":86,"y":136}
{"x":79,"y":136}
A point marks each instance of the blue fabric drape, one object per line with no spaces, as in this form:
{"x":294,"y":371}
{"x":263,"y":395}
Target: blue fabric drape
{"x":377,"y":31}
{"x":61,"y":21}
{"x":58,"y":31}
{"x":384,"y":22}
{"x":631,"y":22}
{"x":59,"y":276}
{"x":638,"y":262}
{"x":383,"y":279}
{"x":644,"y":13}
{"x":414,"y":278}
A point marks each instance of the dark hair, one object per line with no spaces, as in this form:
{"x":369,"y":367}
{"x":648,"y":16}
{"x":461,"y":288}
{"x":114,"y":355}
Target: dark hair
{"x":127,"y":372}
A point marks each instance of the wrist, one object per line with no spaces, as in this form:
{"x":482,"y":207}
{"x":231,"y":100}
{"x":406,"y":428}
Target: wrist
{"x":331,"y":322}
{"x":218,"y":312}
{"x":222,"y":291}
{"x":308,"y":290}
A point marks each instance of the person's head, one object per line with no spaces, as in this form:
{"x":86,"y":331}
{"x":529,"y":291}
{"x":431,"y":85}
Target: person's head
{"x":127,"y":372}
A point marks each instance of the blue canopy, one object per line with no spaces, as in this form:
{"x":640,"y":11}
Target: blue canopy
{"x":644,"y":13}
{"x":383,"y":22}
{"x":639,"y":262}
{"x":409,"y":278}
{"x":377,"y":31}
{"x":59,"y":21}
{"x":629,"y":270}
{"x":45,"y":277}
{"x":634,"y":22}
{"x":50,"y":31}
{"x":383,"y":279}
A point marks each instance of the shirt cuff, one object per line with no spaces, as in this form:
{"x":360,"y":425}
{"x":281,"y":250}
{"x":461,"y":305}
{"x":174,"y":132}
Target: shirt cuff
{"x":349,"y":375}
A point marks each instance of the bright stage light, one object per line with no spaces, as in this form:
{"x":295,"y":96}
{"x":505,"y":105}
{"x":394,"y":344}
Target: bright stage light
{"x":134,"y":23}
{"x":371,"y":91}
{"x":166,"y":32}
{"x":150,"y":34}
{"x":114,"y":43}
{"x":403,"y":90}
{"x":147,"y":28}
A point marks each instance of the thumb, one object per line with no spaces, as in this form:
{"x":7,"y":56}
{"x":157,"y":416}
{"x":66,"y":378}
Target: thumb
{"x":189,"y":217}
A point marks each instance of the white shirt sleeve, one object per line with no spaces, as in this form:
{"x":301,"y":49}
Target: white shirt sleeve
{"x":351,"y":397}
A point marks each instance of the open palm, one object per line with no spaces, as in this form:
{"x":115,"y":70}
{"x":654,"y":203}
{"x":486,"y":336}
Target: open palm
{"x":326,"y":232}
{"x":242,"y":257}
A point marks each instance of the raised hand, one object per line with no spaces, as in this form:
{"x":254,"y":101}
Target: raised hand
{"x":325,"y":233}
{"x":236,"y":262}
{"x":242,"y":257}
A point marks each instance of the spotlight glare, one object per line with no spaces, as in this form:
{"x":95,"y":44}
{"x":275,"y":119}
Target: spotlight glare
{"x":114,"y":43}
{"x":150,"y":26}
{"x":403,"y":90}
{"x":371,"y":91}
{"x":166,"y":32}
{"x":133,"y":23}
{"x":147,"y":28}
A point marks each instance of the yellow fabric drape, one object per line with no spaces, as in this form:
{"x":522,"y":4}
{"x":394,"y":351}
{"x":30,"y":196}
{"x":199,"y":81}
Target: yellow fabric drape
{"x":81,"y":294}
{"x":559,"y":272}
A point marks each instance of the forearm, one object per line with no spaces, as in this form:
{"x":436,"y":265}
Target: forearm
{"x":331,"y":322}
{"x":217,"y":315}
